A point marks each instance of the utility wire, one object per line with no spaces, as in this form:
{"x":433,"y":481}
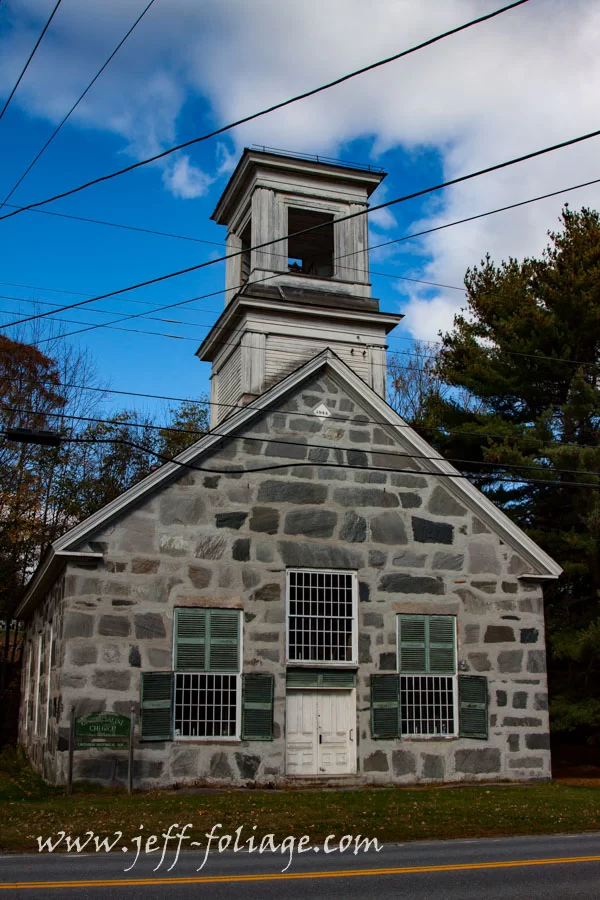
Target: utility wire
{"x":483,"y":215}
{"x":91,"y":326}
{"x":176,"y":337}
{"x":423,"y":341}
{"x":343,"y":256}
{"x":462,"y":178}
{"x":180,"y":237}
{"x":333,"y":418}
{"x":279,"y":440}
{"x":75,"y":105}
{"x":270,"y":109}
{"x":385,"y":274}
{"x":287,"y":465}
{"x":139,"y":315}
{"x":124,"y":318}
{"x":31,"y":55}
{"x":407,"y":237}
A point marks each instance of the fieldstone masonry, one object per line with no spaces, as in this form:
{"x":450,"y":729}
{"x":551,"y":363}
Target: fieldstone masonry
{"x":226,"y":540}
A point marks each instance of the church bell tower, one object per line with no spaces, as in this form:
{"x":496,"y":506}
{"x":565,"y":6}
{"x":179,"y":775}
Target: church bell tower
{"x":288,"y":301}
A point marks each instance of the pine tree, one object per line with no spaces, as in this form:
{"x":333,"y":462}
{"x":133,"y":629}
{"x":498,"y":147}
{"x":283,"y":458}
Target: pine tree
{"x":526,"y":352}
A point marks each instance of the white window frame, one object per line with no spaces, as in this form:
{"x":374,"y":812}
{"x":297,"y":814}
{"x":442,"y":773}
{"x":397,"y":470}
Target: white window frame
{"x":433,"y":735}
{"x":36,"y":720}
{"x":321,"y":663}
{"x":232,"y":738}
{"x":28,"y":668}
{"x":48,"y":677}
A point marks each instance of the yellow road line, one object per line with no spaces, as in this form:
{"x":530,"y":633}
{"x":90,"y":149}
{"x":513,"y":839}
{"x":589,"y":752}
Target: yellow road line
{"x":283,"y":876}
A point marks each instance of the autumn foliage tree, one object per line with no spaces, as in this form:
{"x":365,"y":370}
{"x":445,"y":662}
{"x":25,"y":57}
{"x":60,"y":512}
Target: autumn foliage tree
{"x":31,"y":393}
{"x":46,"y":490}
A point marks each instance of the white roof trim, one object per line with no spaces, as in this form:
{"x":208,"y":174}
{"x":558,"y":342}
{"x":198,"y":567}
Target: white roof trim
{"x":462,"y":488}
{"x":46,"y":573}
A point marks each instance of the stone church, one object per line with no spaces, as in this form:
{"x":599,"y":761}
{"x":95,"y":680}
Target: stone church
{"x":309,"y":591}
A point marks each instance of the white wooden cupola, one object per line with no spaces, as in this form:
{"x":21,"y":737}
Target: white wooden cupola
{"x":287,"y":302}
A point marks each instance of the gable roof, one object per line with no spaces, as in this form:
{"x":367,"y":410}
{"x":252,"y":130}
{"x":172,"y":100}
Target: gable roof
{"x":66,"y":546}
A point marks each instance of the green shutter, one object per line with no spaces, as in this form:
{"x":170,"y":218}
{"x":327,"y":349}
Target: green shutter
{"x":224,"y":641}
{"x":412,"y":644}
{"x":257,"y":707}
{"x":191,"y":627}
{"x":385,"y":707}
{"x":156,"y":706}
{"x":473,"y":706}
{"x":207,"y":640}
{"x":442,"y":645}
{"x":426,"y":645}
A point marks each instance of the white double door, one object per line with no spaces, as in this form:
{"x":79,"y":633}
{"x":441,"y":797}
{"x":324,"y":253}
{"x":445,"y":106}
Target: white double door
{"x":321,"y":732}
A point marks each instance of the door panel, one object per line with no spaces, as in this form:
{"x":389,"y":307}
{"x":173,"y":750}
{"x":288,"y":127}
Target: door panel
{"x":336,"y":721}
{"x":302,"y":733}
{"x":321,"y":732}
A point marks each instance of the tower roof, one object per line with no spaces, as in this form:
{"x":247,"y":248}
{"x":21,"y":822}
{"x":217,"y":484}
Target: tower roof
{"x":263,"y":166}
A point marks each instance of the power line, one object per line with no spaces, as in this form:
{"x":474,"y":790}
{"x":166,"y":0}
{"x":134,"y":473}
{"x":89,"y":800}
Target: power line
{"x":407,"y":237}
{"x":368,"y":271}
{"x":180,"y":237}
{"x":385,"y":274}
{"x":333,"y":418}
{"x":462,"y":178}
{"x":140,"y":315}
{"x":31,"y":55}
{"x":177,"y":337}
{"x":113,"y":325}
{"x":343,"y":256}
{"x":482,"y":215}
{"x":310,"y":446}
{"x":270,"y":109}
{"x":75,"y":105}
{"x":93,"y":326}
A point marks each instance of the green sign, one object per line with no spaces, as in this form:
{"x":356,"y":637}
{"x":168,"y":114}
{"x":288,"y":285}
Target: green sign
{"x":102,"y":730}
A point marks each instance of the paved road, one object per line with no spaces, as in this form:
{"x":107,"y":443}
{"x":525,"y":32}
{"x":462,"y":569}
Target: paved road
{"x":524,"y":868}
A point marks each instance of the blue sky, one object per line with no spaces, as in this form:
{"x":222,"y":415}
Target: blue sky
{"x":527,"y":79}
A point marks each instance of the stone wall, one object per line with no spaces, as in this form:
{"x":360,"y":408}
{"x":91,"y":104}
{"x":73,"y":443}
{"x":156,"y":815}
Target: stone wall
{"x":211,"y":539}
{"x":40,"y":709}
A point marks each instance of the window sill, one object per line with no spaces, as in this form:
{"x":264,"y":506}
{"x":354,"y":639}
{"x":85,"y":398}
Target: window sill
{"x":319,"y":664}
{"x":184,"y":739}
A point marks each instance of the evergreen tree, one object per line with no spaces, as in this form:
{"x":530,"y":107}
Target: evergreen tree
{"x":527,"y":349}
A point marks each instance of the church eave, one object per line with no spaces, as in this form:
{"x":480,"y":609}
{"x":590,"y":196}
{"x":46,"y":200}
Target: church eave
{"x":234,"y":313}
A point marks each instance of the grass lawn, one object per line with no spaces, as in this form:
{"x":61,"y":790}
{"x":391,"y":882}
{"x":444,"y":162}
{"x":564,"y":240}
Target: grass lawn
{"x":31,"y":808}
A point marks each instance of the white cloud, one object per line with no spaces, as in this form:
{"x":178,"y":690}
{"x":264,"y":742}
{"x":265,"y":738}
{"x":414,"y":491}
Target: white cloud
{"x":521,"y":81}
{"x":186,"y":180}
{"x":382,"y":219}
{"x":226,"y":160}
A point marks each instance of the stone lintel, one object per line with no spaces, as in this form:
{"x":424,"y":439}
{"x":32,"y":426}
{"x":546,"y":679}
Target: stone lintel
{"x":426,"y":607}
{"x":214,"y":599}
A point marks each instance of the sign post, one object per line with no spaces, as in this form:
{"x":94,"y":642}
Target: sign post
{"x":71,"y":746}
